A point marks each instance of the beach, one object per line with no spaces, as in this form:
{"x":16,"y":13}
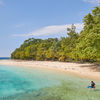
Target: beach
{"x":85,"y":70}
{"x":47,"y":80}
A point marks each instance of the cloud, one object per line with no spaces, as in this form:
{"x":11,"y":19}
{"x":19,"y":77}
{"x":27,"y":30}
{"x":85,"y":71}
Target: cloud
{"x":52,"y":30}
{"x":19,"y":25}
{"x":1,"y":3}
{"x":92,"y":1}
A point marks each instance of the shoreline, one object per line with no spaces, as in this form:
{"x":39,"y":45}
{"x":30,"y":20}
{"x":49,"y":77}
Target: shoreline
{"x":74,"y":69}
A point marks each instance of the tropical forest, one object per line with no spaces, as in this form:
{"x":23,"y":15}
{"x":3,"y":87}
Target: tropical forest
{"x":83,"y":46}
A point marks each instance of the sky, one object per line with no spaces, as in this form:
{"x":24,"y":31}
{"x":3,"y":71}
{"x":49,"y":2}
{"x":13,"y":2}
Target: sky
{"x":23,"y":19}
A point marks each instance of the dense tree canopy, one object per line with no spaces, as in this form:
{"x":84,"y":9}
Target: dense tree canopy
{"x":79,"y":47}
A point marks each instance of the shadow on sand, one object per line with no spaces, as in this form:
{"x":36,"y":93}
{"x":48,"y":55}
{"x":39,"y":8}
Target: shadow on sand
{"x":95,"y":67}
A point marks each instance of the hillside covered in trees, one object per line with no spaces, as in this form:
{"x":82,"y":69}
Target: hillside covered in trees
{"x":78,"y":47}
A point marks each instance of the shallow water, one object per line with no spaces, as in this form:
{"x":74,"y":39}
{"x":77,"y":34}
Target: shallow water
{"x":25,"y":83}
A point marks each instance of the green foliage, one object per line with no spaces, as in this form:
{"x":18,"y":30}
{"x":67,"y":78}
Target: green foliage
{"x":79,"y":47}
{"x":88,"y":46}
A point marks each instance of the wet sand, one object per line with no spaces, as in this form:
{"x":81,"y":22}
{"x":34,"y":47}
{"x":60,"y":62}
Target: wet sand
{"x":85,"y":70}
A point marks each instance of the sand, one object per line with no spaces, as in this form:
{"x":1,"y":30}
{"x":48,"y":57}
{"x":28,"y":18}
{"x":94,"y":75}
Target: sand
{"x":81,"y":70}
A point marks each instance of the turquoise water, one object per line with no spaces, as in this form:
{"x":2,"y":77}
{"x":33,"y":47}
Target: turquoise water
{"x":24,"y":83}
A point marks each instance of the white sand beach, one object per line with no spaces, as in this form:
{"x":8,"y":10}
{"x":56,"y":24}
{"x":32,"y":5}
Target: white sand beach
{"x":81,"y":70}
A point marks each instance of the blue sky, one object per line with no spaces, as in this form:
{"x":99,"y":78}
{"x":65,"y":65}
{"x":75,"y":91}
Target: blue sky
{"x":22,"y":19}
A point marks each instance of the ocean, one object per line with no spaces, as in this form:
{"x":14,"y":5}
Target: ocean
{"x":4,"y":58}
{"x":26,"y":83}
